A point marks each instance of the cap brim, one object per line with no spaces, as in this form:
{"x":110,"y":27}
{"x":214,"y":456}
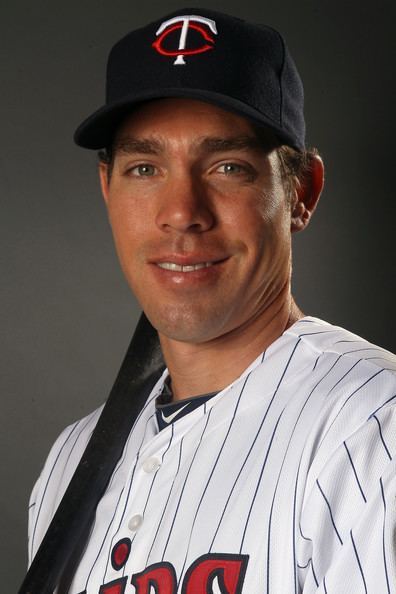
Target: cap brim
{"x":98,"y":130}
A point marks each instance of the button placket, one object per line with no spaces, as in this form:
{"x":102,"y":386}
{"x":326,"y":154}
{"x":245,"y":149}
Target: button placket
{"x":150,"y":465}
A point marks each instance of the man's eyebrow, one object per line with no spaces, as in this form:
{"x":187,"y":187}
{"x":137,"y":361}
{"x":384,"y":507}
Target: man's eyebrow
{"x":206,"y":144}
{"x":147,"y":146}
{"x":245,"y":142}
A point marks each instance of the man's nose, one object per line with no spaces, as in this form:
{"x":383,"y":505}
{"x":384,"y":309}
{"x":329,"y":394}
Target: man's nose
{"x":185,"y":205}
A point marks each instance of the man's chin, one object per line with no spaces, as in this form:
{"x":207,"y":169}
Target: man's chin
{"x":187,"y":328}
{"x":188,"y":335}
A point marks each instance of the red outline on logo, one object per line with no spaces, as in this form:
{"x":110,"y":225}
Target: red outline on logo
{"x":230,"y":569}
{"x":161,"y":576}
{"x":182,"y":52}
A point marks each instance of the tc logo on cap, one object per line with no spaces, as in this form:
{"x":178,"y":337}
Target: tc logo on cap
{"x":185,"y":23}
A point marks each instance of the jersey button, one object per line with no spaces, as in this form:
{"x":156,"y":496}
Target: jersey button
{"x":151,"y":464}
{"x":135,"y":522}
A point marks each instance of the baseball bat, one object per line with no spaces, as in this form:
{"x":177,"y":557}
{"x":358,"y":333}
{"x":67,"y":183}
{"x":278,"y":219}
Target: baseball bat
{"x":69,"y":528}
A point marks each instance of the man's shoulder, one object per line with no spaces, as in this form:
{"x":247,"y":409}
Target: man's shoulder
{"x":330,"y":340}
{"x":70,"y":444}
{"x":76,"y":430}
{"x":56,"y":474}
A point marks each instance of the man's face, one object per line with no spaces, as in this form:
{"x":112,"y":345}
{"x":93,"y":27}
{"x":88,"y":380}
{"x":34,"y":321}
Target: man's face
{"x":200,"y":218}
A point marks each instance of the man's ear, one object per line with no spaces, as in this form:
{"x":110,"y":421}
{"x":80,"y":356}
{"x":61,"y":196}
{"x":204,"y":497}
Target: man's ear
{"x":307,"y":194}
{"x":104,"y":180}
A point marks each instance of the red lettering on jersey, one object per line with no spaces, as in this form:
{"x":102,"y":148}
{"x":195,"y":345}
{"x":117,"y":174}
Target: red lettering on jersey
{"x":161,"y":576}
{"x":120,"y":553}
{"x":115,"y":587}
{"x":229,"y":569}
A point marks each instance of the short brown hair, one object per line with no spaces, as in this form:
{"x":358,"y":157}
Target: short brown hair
{"x":295,"y":165}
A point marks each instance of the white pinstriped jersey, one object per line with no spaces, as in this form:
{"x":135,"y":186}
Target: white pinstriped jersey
{"x":283,"y":483}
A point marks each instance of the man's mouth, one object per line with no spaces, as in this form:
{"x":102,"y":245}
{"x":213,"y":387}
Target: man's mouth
{"x":184,"y":268}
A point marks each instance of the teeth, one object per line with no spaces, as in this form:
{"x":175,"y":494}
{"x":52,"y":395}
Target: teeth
{"x":179,"y":268}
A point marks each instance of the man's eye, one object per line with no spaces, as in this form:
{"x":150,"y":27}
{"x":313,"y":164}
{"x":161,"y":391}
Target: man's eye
{"x":143,"y":170}
{"x":230,"y":168}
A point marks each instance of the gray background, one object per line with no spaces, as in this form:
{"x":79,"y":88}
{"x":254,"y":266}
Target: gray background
{"x":67,"y":313}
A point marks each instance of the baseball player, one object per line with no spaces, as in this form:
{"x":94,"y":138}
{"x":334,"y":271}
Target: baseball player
{"x":263,"y":460}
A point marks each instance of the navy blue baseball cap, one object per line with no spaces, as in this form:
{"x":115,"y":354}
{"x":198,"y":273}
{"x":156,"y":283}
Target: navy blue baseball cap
{"x":206,"y":55}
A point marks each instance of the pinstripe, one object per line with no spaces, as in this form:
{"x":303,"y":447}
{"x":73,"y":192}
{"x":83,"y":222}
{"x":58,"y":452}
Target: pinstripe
{"x":236,"y":480}
{"x":306,"y":565}
{"x":344,"y":376}
{"x":265,"y":415}
{"x":104,"y":539}
{"x":214,"y":467}
{"x":347,"y":400}
{"x":154,"y":477}
{"x":121,"y":460}
{"x":74,"y":445}
{"x":295,"y":487}
{"x":357,"y":340}
{"x":321,"y":379}
{"x":73,"y":428}
{"x":331,"y":513}
{"x":294,"y":520}
{"x":316,"y":362}
{"x":354,"y":472}
{"x":382,"y":406}
{"x":359,"y":563}
{"x":152,"y":397}
{"x":383,"y":537}
{"x":378,"y":359}
{"x":269,"y":524}
{"x":128,"y":494}
{"x":185,"y":482}
{"x":156,"y":472}
{"x":167,"y":501}
{"x":315,"y":333}
{"x":123,"y":456}
{"x":304,"y":537}
{"x":269,"y":447}
{"x":310,"y":563}
{"x":314,"y":574}
{"x":298,"y":472}
{"x":284,"y":373}
{"x":134,"y":470}
{"x":360,"y":350}
{"x":296,"y":482}
{"x":382,"y":437}
{"x":259,"y":481}
{"x":324,"y":584}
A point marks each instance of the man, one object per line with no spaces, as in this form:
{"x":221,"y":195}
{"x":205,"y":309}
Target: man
{"x":263,"y":459}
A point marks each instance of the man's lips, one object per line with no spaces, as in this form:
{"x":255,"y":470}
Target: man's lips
{"x":186,"y":271}
{"x":174,"y":267}
{"x":183,"y":263}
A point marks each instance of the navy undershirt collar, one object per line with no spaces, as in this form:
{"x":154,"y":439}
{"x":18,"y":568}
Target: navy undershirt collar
{"x":168,"y":411}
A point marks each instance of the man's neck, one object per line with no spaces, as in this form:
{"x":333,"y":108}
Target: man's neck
{"x":211,"y":366}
